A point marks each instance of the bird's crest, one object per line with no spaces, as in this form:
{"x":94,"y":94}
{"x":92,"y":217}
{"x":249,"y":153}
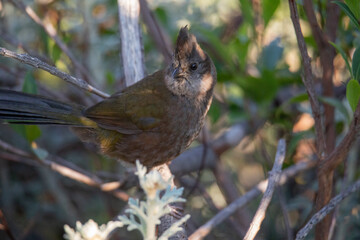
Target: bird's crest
{"x":186,"y":44}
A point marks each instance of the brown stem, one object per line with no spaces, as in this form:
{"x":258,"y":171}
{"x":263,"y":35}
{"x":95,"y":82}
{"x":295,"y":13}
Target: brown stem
{"x":327,"y":55}
{"x":308,"y":81}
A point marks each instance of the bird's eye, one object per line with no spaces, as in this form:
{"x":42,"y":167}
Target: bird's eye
{"x":193,"y":66}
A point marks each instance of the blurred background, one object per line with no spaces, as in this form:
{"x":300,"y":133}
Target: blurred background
{"x":254,"y":48}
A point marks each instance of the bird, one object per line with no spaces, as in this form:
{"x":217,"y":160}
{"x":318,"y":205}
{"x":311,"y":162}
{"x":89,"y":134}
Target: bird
{"x":153,"y":120}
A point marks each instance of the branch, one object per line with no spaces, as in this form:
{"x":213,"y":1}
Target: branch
{"x":62,"y":167}
{"x":308,"y":80}
{"x":51,"y":31}
{"x":316,"y":218}
{"x":37,"y":63}
{"x":274,"y":177}
{"x":288,"y":173}
{"x":319,"y":36}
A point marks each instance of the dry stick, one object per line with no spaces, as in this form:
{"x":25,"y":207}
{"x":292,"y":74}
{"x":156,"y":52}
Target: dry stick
{"x":308,"y":80}
{"x":37,"y":63}
{"x":62,"y":167}
{"x":131,"y":47}
{"x":247,"y":197}
{"x":274,"y":176}
{"x":51,"y":31}
{"x":326,"y":210}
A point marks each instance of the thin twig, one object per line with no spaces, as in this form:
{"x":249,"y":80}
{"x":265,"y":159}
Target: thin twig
{"x":162,"y":40}
{"x":189,"y":183}
{"x":326,"y":210}
{"x":190,"y":160}
{"x":308,"y":80}
{"x":231,"y":192}
{"x":51,"y":31}
{"x":5,"y":226}
{"x":37,"y":63}
{"x":288,"y":173}
{"x":205,"y":141}
{"x":274,"y":177}
{"x":289,"y":231}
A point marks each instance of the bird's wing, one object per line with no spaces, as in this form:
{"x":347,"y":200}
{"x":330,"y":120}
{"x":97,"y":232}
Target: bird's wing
{"x":129,"y":112}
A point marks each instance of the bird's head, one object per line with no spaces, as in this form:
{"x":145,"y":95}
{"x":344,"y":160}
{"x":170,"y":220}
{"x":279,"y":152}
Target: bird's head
{"x":191,"y":73}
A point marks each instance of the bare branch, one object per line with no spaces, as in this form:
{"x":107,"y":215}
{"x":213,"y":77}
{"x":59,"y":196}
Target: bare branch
{"x":274,"y":177}
{"x":326,"y":210}
{"x":37,"y":63}
{"x":288,"y":173}
{"x":60,"y":166}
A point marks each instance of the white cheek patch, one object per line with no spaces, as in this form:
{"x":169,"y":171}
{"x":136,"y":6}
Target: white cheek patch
{"x":206,"y":83}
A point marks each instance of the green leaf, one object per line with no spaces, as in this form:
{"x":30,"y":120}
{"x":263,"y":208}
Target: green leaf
{"x":247,"y":11}
{"x":29,"y":132}
{"x":356,"y":64}
{"x":29,"y":84}
{"x":339,"y":49}
{"x":348,"y":12}
{"x":32,"y":132}
{"x":260,"y":89}
{"x":215,"y":111}
{"x":110,"y":78}
{"x":353,"y":93}
{"x":299,"y":98}
{"x":269,"y":8}
{"x":354,"y":5}
{"x":337,"y":105}
{"x":56,"y":52}
{"x":161,"y":15}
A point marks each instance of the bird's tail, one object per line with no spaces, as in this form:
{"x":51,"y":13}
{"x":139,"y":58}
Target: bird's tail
{"x":23,"y":108}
